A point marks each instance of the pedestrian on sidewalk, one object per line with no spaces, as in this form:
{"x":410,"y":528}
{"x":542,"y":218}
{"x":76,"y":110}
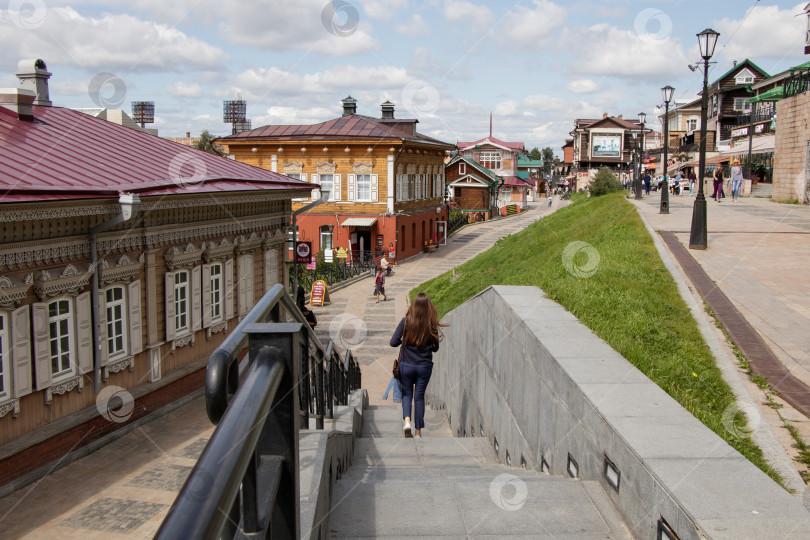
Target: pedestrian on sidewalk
{"x":736,"y":180}
{"x":718,"y":183}
{"x":385,"y":266}
{"x":419,"y":334}
{"x":691,"y":176}
{"x":379,"y":285}
{"x":647,"y":183}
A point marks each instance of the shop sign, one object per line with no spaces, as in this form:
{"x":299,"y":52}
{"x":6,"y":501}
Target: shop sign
{"x":739,"y":132}
{"x":303,"y":252}
{"x":319,"y":294}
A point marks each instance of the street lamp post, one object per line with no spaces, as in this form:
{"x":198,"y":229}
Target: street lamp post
{"x":642,"y":117}
{"x":697,"y":235}
{"x":666,"y":92}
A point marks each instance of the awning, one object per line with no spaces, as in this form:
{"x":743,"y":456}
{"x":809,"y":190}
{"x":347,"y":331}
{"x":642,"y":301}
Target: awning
{"x":774,"y":94}
{"x":359,"y":222}
{"x":760,"y":144}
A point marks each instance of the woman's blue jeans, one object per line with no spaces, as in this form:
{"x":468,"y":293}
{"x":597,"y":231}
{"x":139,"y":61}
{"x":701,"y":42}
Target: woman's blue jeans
{"x":414,"y":378}
{"x":735,"y":188}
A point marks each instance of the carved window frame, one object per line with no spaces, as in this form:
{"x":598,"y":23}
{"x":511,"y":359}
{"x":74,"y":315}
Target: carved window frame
{"x":6,"y":367}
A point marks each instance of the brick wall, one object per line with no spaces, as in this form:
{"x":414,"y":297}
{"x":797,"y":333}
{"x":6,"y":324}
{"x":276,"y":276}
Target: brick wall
{"x":792,"y":136}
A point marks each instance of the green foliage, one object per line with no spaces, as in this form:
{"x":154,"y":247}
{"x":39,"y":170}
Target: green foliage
{"x":535,"y":153}
{"x":549,"y":159}
{"x":604,"y":182}
{"x":206,"y":144}
{"x":631,"y":301}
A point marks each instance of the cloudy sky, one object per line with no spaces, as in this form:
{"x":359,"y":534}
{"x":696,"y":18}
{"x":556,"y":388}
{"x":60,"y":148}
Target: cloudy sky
{"x":534,"y":64}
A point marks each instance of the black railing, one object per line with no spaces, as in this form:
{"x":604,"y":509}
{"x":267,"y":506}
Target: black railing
{"x":245,"y":483}
{"x":758,"y":116}
{"x":457,"y":222}
{"x":340,"y":270}
{"x":797,"y":83}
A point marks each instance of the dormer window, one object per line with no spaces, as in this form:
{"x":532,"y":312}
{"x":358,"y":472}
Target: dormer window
{"x":744,"y":77}
{"x":462,"y":168}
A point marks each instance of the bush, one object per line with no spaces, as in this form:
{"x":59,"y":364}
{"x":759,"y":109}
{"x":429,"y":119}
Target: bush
{"x":604,"y":182}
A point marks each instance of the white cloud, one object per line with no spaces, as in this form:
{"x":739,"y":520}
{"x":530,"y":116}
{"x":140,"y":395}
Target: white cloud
{"x":766,"y":31}
{"x":306,"y":25}
{"x":624,"y":53}
{"x":415,"y":27}
{"x":110,"y":42}
{"x":181,"y":89}
{"x":477,"y":15}
{"x":581,"y":86}
{"x":383,"y":9}
{"x":293,"y":115}
{"x":529,"y":27}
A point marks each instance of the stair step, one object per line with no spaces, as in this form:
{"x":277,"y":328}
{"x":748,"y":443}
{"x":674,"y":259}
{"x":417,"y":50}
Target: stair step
{"x":421,"y":452}
{"x":481,"y":505}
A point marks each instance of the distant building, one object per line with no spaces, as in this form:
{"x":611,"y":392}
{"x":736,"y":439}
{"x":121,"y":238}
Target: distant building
{"x":608,"y":142}
{"x":531,"y":170}
{"x":117,"y":116}
{"x":501,"y":158}
{"x":188,"y":140}
{"x":385,"y":179}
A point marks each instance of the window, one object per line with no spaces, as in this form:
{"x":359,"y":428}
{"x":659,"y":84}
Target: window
{"x":744,"y":77}
{"x":456,"y":191}
{"x":215,"y":295}
{"x":741,"y":105}
{"x":5,"y":370}
{"x":490,"y":160}
{"x":327,"y":184}
{"x":60,"y":335}
{"x":181,"y":295}
{"x":363,"y":187}
{"x":462,"y":168}
{"x":116,"y":322}
{"x":297,"y":176}
{"x":691,"y":125}
{"x":326,"y":236}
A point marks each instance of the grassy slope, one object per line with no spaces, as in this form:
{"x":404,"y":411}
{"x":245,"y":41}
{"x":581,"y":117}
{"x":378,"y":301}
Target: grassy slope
{"x":631,"y":301}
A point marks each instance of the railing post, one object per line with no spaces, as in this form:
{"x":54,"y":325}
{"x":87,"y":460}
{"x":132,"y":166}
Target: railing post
{"x":304,"y":384}
{"x":319,"y":390}
{"x":279,"y":438}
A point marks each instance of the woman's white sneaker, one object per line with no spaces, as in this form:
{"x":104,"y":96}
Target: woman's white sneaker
{"x":407,"y":430}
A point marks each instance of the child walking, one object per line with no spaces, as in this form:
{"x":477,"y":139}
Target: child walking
{"x":379,"y":286}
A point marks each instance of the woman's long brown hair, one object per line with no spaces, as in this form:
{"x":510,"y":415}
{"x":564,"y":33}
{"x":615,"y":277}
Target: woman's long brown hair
{"x":422,"y":323}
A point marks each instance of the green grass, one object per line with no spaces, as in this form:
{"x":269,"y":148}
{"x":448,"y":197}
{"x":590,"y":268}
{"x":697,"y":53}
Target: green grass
{"x":631,"y":301}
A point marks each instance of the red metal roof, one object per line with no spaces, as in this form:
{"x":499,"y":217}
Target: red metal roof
{"x":516,"y":181}
{"x":517,"y":146}
{"x":353,"y":126}
{"x":66,"y":154}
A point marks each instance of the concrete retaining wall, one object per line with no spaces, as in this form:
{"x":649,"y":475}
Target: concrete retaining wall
{"x":519,"y":369}
{"x":324,"y":455}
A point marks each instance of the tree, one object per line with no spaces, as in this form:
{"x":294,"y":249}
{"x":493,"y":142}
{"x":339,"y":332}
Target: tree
{"x":549,"y":159}
{"x":535,"y":154}
{"x":206,"y":144}
{"x":604,"y":182}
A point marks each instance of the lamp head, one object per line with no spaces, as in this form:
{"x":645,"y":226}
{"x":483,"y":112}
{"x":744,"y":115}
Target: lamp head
{"x":707,"y":40}
{"x":642,"y":117}
{"x":666,"y":92}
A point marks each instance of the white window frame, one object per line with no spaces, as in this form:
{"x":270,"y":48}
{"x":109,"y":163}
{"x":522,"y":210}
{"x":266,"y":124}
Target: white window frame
{"x":491,"y":157}
{"x":327,"y":231}
{"x":122,"y":304}
{"x":70,"y":371}
{"x":462,"y":168}
{"x":691,"y":124}
{"x":744,"y":77}
{"x":217,"y":307}
{"x":5,"y":357}
{"x":186,"y":285}
{"x":365,"y":181}
{"x":331,"y":185}
{"x":740,"y":105}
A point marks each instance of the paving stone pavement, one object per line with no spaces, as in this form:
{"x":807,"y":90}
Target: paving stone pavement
{"x":355,"y":320}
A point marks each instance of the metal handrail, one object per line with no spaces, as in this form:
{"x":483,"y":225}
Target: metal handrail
{"x":262,"y":383}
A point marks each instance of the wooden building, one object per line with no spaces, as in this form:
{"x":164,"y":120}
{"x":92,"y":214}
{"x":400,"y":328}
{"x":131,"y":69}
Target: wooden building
{"x":473,"y":187}
{"x":185,"y":241}
{"x":606,"y":142}
{"x":501,"y":158}
{"x":386,"y":180}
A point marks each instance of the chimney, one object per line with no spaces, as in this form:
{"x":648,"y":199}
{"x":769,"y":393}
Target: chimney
{"x":188,"y":135}
{"x":619,"y":117}
{"x":387,"y":110}
{"x":34,"y":75}
{"x":735,"y":64}
{"x":18,"y":100}
{"x":604,"y":115}
{"x":349,"y":106}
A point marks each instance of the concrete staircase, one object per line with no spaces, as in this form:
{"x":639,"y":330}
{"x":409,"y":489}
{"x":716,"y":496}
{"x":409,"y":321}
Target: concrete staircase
{"x":447,"y":487}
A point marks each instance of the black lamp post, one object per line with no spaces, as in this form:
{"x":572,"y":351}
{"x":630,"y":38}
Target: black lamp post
{"x":666,"y":92}
{"x":642,"y":117}
{"x":697,"y":235}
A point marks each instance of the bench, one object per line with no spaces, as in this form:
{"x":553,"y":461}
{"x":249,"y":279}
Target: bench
{"x":429,"y":246}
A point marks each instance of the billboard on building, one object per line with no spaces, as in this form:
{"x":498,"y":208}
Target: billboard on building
{"x":606,"y":146}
